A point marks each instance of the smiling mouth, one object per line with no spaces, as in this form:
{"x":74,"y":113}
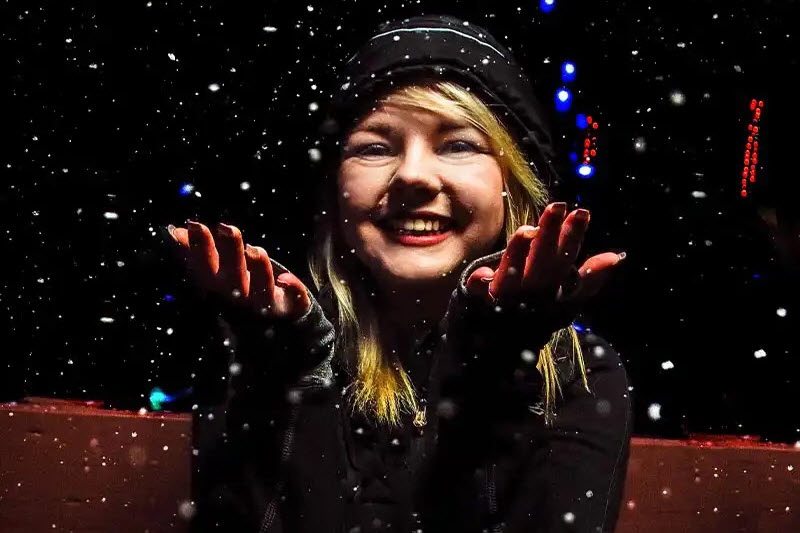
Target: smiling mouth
{"x":417,"y":227}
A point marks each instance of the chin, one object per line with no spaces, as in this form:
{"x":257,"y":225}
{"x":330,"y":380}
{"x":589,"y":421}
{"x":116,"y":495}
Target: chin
{"x":417,"y":278}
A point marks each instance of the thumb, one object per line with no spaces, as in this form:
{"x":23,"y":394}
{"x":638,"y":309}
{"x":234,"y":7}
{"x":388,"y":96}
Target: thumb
{"x":478,"y":283}
{"x":295,"y":301}
{"x":595,"y":273}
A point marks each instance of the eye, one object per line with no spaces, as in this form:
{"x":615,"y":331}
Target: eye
{"x":367,"y":148}
{"x":467,"y":144}
{"x":376,"y":149}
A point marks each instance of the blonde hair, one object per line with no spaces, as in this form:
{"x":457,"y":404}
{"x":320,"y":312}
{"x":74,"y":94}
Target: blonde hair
{"x":382,"y":390}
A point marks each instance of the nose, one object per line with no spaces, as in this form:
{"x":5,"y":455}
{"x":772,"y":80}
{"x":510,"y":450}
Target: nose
{"x":416,"y":177}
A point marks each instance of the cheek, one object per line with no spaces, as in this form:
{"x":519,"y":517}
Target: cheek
{"x":358,"y":195}
{"x":357,"y":201}
{"x":485,"y":196}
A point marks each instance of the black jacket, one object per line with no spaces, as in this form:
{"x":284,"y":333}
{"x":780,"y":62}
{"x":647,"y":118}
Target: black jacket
{"x":284,"y":453}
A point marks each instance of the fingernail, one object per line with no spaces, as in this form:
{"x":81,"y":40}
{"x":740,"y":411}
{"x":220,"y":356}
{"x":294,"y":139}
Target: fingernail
{"x":530,"y":233}
{"x":225,"y":229}
{"x":171,"y":230}
{"x":621,"y":256}
{"x":560,"y":208}
{"x":487,"y":280}
{"x":582,"y":215}
{"x":192,"y":224}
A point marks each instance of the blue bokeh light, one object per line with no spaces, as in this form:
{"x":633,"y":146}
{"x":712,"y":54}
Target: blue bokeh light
{"x":186,"y":189}
{"x":567,"y":71}
{"x":585,"y":170}
{"x":563,"y":99}
{"x":581,"y":122}
{"x":547,"y":5}
{"x":573,"y":156}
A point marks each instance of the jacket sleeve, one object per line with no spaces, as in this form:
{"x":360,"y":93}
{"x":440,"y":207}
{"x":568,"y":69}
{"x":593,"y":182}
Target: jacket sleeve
{"x":280,"y":351}
{"x":573,"y":475}
{"x":567,"y":476}
{"x":497,"y":346}
{"x":242,"y":442}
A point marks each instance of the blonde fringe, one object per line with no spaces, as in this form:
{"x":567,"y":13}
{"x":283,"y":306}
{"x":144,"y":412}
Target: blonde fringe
{"x":381,"y":389}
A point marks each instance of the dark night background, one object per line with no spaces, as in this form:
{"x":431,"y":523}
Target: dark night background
{"x":112,"y":113}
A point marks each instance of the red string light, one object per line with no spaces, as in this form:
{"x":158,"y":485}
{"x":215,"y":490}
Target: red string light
{"x":590,"y":142}
{"x":751,"y":146}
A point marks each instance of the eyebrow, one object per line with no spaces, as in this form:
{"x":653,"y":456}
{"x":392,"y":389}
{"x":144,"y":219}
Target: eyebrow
{"x":384,"y":128}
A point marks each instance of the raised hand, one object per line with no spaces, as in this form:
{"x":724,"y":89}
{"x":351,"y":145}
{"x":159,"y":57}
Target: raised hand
{"x":239,"y":274}
{"x":538,"y":265}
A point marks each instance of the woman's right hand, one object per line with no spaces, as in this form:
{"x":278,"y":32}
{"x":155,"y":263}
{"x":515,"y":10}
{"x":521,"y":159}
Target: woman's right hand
{"x":221,"y":265}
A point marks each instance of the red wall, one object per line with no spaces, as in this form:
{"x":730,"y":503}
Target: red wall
{"x":73,"y":466}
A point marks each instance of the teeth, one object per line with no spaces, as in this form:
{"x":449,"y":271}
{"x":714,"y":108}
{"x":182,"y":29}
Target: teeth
{"x":418,"y":225}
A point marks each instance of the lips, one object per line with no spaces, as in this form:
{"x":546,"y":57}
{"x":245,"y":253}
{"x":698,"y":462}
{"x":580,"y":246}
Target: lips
{"x":419,"y":239}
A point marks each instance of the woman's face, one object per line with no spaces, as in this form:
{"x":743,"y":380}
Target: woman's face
{"x":412,"y":168}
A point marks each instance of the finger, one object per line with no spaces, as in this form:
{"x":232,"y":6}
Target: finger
{"x":262,"y":284}
{"x":292,"y":297}
{"x":203,"y":256}
{"x":181,"y":236}
{"x":542,"y":261}
{"x":508,"y":277}
{"x":569,"y":243}
{"x":477,"y":286}
{"x":233,"y":274}
{"x":595,"y":272}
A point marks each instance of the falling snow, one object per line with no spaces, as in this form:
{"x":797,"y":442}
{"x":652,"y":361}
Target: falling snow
{"x":198,"y":114}
{"x":677,"y":98}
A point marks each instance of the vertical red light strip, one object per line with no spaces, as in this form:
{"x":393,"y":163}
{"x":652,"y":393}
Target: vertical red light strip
{"x":590,"y":142}
{"x":751,"y":146}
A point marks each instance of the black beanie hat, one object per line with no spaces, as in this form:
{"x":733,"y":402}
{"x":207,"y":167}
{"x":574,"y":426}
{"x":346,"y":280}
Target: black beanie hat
{"x":447,"y":48}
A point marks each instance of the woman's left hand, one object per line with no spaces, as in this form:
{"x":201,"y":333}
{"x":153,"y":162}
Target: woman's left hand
{"x":538,"y":265}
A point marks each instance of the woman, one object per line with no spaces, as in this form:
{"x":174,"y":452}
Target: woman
{"x":435,"y":383}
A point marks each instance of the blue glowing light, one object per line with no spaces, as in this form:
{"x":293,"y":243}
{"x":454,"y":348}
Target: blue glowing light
{"x":186,"y":189}
{"x":581,"y":122}
{"x":568,"y":71}
{"x":573,"y":156}
{"x":547,"y":5}
{"x":577,"y":326}
{"x":586,"y":170}
{"x":157,"y":397}
{"x":563,"y":100}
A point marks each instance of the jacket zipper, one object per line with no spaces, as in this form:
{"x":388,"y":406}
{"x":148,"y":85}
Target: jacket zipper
{"x":286,"y":451}
{"x":491,"y":497}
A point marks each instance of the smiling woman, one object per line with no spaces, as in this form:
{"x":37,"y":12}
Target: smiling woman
{"x":414,"y":274}
{"x":435,"y":380}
